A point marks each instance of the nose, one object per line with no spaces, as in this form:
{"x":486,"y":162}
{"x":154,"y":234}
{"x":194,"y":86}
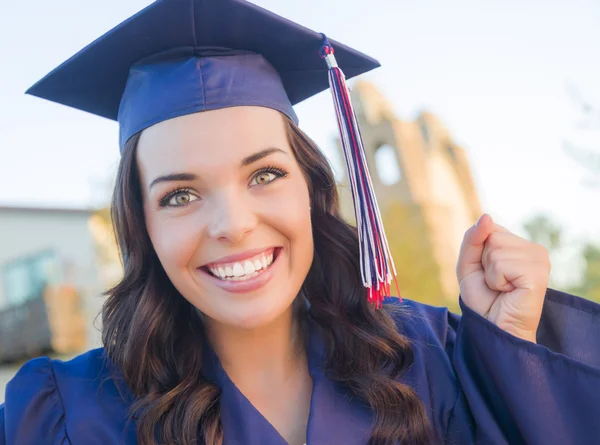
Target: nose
{"x":232,"y":219}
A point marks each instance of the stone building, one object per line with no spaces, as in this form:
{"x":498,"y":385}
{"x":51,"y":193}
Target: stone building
{"x":425,"y":191}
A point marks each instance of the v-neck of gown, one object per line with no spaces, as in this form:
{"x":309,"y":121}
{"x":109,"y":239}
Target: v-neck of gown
{"x":341,"y":418}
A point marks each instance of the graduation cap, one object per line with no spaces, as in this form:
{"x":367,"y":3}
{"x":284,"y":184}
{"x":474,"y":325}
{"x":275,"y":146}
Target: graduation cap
{"x":178,"y":57}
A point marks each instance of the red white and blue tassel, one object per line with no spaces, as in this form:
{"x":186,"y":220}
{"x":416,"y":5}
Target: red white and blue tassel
{"x":377,"y":265}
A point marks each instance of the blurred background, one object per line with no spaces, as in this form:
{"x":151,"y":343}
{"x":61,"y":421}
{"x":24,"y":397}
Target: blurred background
{"x":478,"y":107}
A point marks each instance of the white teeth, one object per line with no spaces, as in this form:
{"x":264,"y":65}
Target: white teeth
{"x":243,"y":271}
{"x":238,"y":270}
{"x":248,"y":267}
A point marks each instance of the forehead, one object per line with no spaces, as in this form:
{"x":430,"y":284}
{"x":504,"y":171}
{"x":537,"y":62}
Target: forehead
{"x":210,"y":137}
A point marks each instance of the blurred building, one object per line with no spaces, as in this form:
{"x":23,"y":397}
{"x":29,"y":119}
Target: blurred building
{"x":425,"y":191}
{"x":50,"y":287}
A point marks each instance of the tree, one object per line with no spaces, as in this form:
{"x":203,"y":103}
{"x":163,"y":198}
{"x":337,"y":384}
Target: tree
{"x":590,"y":283}
{"x":541,"y":229}
{"x":109,"y":260}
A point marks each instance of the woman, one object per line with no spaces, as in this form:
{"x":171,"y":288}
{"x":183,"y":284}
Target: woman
{"x":242,"y":317}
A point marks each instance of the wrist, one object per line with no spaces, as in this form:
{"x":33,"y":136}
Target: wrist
{"x":520,"y":333}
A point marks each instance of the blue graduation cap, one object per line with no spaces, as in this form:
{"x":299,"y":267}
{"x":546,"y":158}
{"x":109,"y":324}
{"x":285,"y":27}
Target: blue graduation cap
{"x":178,"y":57}
{"x":182,"y":56}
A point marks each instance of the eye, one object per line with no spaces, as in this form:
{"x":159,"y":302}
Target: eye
{"x":264,"y":178}
{"x":267,"y":175}
{"x":178,"y":198}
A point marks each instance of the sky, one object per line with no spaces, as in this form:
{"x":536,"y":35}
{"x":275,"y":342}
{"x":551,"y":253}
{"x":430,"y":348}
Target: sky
{"x":495,"y":73}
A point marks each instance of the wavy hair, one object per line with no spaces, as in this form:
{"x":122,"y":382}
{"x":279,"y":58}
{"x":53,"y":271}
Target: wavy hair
{"x":151,"y":332}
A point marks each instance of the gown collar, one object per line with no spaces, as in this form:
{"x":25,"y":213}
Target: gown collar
{"x":336,"y":416}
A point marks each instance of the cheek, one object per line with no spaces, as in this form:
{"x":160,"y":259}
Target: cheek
{"x":291,"y":215}
{"x":175,"y":240}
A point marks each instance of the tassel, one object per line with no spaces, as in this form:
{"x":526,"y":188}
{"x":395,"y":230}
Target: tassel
{"x":377,"y":265}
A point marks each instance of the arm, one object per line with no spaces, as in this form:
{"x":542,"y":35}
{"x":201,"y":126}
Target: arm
{"x":2,"y":426}
{"x":520,"y":392}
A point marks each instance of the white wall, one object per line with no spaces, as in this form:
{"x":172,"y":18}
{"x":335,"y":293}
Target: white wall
{"x":25,"y":232}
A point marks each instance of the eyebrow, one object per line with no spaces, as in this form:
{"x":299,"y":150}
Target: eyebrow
{"x":192,"y":177}
{"x":259,"y":155}
{"x":174,"y":177}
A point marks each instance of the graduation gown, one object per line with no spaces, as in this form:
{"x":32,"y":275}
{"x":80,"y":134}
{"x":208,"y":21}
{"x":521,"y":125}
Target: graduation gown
{"x":479,"y":384}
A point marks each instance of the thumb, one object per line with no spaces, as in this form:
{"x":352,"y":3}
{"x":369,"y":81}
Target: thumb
{"x":471,"y":250}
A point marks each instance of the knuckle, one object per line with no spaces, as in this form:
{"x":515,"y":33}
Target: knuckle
{"x":494,"y":256}
{"x":495,"y":239}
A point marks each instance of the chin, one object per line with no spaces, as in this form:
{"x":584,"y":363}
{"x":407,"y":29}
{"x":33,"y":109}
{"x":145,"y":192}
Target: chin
{"x":252,"y":314}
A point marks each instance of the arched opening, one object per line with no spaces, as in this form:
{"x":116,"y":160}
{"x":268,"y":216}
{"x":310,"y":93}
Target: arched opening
{"x":387,"y":166}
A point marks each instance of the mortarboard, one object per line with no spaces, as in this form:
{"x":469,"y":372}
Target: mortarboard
{"x":177,"y":57}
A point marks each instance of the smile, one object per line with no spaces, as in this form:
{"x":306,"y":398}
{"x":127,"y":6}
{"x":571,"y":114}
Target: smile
{"x":245,"y":269}
{"x":244,"y":273}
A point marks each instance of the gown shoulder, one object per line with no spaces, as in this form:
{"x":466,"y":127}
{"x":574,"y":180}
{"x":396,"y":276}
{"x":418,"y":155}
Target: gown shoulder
{"x":57,"y":402}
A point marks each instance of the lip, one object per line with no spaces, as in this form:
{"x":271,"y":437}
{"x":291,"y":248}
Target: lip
{"x":239,"y":257}
{"x":250,"y":285}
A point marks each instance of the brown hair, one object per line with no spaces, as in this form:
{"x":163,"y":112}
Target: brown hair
{"x":151,"y":332}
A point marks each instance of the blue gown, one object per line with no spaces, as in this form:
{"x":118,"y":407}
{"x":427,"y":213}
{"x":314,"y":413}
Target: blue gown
{"x":480,"y":385}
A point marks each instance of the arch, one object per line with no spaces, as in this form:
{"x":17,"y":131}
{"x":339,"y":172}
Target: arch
{"x":387,"y":165}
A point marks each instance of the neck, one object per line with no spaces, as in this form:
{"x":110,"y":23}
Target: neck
{"x":261,"y":354}
{"x":269,"y":367}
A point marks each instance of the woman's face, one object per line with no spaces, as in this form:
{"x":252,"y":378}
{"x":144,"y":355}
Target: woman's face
{"x":227,"y":210}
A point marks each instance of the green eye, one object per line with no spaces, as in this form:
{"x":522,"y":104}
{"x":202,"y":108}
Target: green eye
{"x":178,"y":198}
{"x":267,"y":175}
{"x":264,"y":178}
{"x":181,"y":198}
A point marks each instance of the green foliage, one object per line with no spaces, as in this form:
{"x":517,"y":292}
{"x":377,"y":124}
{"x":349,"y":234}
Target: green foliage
{"x":541,"y":229}
{"x":413,"y":257}
{"x":590,"y":283}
